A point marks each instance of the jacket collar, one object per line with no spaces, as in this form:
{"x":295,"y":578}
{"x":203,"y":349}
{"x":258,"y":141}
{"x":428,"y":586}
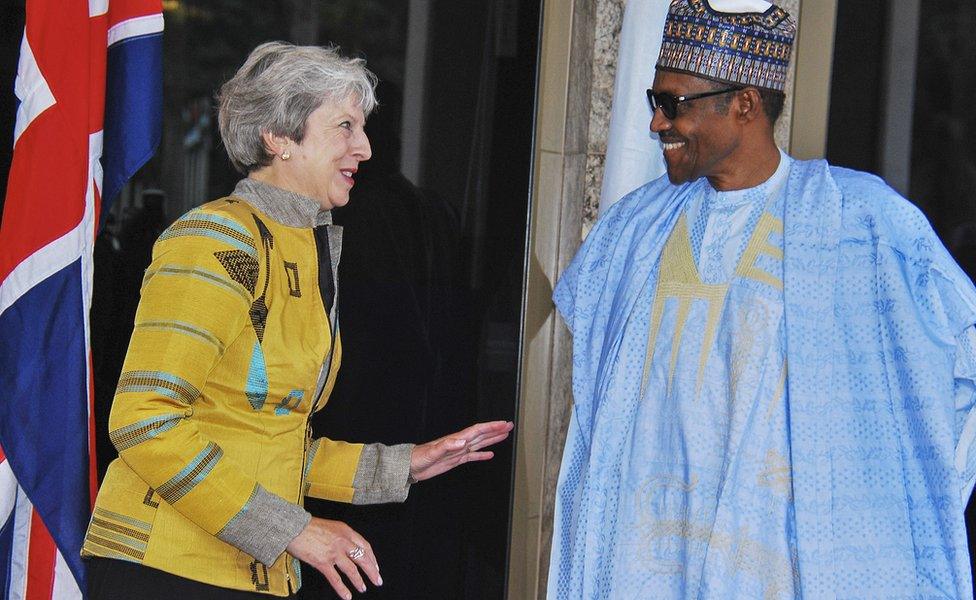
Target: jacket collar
{"x":288,"y":208}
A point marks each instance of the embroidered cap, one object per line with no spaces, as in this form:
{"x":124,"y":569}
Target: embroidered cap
{"x":748,"y":45}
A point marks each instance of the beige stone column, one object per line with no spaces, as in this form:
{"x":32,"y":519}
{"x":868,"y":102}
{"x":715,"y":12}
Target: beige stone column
{"x":559,"y":175}
{"x":576,"y":72}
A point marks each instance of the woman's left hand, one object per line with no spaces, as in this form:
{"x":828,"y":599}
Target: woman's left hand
{"x":433,"y":458}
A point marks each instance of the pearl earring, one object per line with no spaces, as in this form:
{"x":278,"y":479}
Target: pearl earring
{"x":285,"y":155}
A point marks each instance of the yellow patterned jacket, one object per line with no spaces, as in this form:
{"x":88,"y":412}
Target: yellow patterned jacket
{"x":232,"y":351}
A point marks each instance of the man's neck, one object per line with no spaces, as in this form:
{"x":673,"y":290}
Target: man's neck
{"x":750,"y":166}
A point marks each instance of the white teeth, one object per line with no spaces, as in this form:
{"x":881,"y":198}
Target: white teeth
{"x":347,"y":173}
{"x":672,"y":145}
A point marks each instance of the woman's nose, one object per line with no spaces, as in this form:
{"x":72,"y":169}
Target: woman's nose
{"x":363,"y":150}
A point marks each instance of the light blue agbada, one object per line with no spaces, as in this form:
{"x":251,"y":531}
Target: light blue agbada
{"x":801,"y":428}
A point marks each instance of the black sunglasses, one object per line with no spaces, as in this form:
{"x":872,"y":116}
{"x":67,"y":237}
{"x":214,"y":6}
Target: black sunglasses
{"x":669,"y":103}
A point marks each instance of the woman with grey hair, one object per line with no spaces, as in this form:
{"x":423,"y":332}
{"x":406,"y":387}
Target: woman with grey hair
{"x":236,"y":343}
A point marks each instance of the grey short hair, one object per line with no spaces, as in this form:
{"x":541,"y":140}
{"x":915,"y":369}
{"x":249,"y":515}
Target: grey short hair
{"x":277,"y":88}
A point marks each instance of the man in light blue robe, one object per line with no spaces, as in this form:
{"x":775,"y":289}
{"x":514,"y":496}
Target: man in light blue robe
{"x":774,"y":361}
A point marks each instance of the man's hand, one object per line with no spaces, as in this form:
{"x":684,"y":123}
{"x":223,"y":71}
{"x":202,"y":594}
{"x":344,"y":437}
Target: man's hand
{"x":333,"y":546}
{"x":433,"y":458}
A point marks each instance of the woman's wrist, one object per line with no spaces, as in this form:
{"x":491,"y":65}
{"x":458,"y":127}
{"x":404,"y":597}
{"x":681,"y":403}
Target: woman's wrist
{"x":383,"y":474}
{"x":265,"y":526}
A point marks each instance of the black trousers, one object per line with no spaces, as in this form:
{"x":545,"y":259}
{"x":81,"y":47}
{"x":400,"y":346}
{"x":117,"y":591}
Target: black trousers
{"x":110,"y":579}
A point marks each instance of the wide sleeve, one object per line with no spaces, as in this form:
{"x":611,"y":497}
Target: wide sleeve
{"x":947,"y":295}
{"x":194,"y":304}
{"x":964,"y":404}
{"x":564,"y":294}
{"x":592,"y":266}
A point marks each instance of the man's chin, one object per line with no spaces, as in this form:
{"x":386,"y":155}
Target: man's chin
{"x":677,"y":178}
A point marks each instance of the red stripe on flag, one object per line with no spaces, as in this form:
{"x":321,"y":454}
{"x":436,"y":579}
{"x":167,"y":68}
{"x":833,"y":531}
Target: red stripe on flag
{"x":41,"y":558}
{"x":123,"y":11}
{"x":98,"y":50}
{"x":44,"y":180}
{"x":49,"y":170}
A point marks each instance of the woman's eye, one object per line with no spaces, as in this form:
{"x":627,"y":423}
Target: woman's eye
{"x":346,"y":124}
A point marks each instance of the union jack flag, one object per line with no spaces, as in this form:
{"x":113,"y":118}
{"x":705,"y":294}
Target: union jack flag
{"x":89,"y":77}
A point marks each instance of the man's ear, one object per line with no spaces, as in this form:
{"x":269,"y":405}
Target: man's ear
{"x":749,"y":105}
{"x":276,"y":145}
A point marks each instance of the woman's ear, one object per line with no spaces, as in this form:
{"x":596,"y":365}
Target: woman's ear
{"x":277,"y":145}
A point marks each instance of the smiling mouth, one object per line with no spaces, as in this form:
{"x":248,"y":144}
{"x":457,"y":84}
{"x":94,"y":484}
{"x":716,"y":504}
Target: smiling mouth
{"x":348,"y":174}
{"x":671,"y":145}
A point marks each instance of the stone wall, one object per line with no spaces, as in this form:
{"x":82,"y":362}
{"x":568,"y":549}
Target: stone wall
{"x":606,"y":41}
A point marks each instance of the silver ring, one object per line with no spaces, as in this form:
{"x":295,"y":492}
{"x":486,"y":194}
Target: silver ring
{"x":356,"y":553}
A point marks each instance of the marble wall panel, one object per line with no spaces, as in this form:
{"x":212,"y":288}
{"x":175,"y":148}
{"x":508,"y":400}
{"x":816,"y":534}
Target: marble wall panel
{"x":609,"y":18}
{"x":606,"y":40}
{"x":595,"y":162}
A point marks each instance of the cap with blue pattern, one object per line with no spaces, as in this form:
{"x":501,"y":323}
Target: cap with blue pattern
{"x":750,"y":45}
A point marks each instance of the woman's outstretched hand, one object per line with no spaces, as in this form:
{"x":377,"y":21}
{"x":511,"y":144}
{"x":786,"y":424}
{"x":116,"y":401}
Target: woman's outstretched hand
{"x":333,"y":547}
{"x":441,"y":455}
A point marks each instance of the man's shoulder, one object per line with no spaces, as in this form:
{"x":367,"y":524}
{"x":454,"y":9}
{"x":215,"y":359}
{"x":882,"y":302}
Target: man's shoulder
{"x":637,"y":212}
{"x":867,"y":196}
{"x":635,"y":215}
{"x":645,"y":199}
{"x":646,"y":191}
{"x":860,"y":184}
{"x":869,"y":207}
